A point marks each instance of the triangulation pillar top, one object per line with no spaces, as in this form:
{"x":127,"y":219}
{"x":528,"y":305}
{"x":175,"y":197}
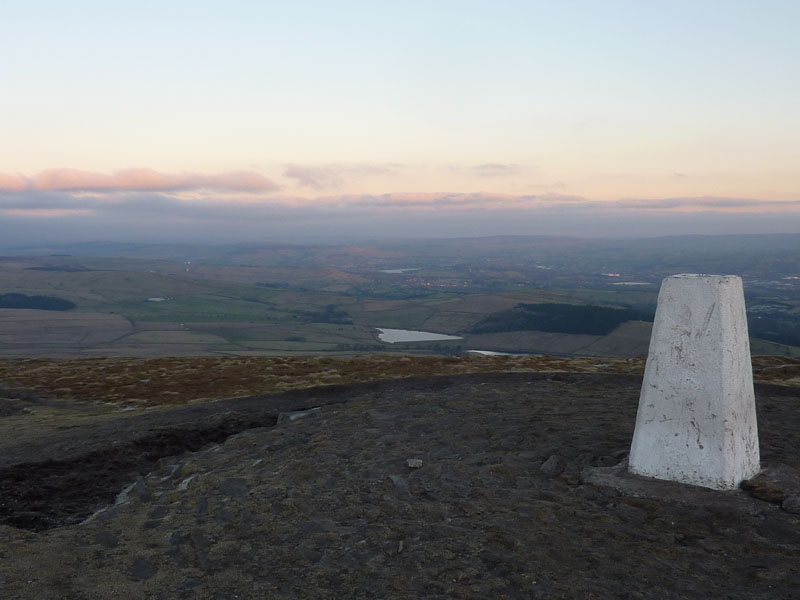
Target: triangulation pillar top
{"x":697,"y":421}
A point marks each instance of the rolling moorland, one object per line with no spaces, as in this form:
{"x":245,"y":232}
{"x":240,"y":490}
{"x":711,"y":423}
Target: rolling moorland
{"x":559,"y":296}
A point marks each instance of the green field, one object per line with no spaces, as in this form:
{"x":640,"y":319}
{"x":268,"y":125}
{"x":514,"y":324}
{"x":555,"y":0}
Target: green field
{"x":154,"y":307}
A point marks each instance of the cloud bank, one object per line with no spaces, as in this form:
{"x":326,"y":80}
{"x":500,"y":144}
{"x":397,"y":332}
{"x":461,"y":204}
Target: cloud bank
{"x":73,"y":180}
{"x":143,"y":204}
{"x":334,"y":176}
{"x":313,"y":177}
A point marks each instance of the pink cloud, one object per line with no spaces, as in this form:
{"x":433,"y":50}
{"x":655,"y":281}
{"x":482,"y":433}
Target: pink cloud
{"x":73,"y":180}
{"x":49,"y":213}
{"x":12,"y":183}
{"x":148,"y":192}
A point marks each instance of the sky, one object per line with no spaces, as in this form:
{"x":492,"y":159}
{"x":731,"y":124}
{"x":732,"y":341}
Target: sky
{"x":259,"y":120}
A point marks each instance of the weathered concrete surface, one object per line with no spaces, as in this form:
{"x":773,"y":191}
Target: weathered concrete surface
{"x":696,"y":422}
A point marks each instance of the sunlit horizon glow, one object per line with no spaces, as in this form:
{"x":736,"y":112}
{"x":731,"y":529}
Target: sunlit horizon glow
{"x":365,"y":111}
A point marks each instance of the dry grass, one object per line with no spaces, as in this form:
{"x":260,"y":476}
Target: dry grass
{"x":168,"y":381}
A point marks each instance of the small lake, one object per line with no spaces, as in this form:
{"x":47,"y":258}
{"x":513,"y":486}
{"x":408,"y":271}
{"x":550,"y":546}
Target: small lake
{"x":398,"y":271}
{"x":392,"y":336}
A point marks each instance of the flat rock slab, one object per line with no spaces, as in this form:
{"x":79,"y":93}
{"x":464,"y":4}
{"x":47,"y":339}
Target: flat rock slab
{"x":773,"y":485}
{"x":327,"y":506}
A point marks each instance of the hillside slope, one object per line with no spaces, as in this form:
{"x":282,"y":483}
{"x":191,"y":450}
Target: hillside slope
{"x":471,"y":486}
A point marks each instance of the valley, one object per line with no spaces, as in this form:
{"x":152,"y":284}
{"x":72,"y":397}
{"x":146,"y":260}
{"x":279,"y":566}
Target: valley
{"x":269,"y":300}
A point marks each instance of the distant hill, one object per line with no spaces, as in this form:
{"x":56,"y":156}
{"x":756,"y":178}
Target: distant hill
{"x":655,"y":257}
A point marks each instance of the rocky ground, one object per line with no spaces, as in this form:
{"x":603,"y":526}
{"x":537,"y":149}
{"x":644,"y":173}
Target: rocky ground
{"x":465,"y":485}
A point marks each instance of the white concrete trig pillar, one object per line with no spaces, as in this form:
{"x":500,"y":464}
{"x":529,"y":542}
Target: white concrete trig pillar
{"x":697,"y":421}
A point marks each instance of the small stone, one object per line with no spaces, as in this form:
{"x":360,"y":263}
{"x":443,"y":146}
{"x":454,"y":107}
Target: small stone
{"x":792,"y":504}
{"x":159,"y":512}
{"x":288,"y":417}
{"x":183,"y":485}
{"x":202,"y":507}
{"x":311,"y":554}
{"x":414,"y":463}
{"x":189,"y":584}
{"x":106,"y":539}
{"x":553,"y":466}
{"x":176,"y":538}
{"x":760,"y":487}
{"x":234,"y":487}
{"x":142,"y":569}
{"x":570,"y":479}
{"x":124,"y":496}
{"x":199,"y":540}
{"x":400,"y":483}
{"x":224,"y":516}
{"x":246,"y":521}
{"x":141,"y":489}
{"x":606,"y":461}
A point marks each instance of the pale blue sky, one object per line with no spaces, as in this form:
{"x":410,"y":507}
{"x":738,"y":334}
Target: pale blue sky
{"x":602,"y":100}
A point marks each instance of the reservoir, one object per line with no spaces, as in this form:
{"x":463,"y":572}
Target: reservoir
{"x":392,"y":336}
